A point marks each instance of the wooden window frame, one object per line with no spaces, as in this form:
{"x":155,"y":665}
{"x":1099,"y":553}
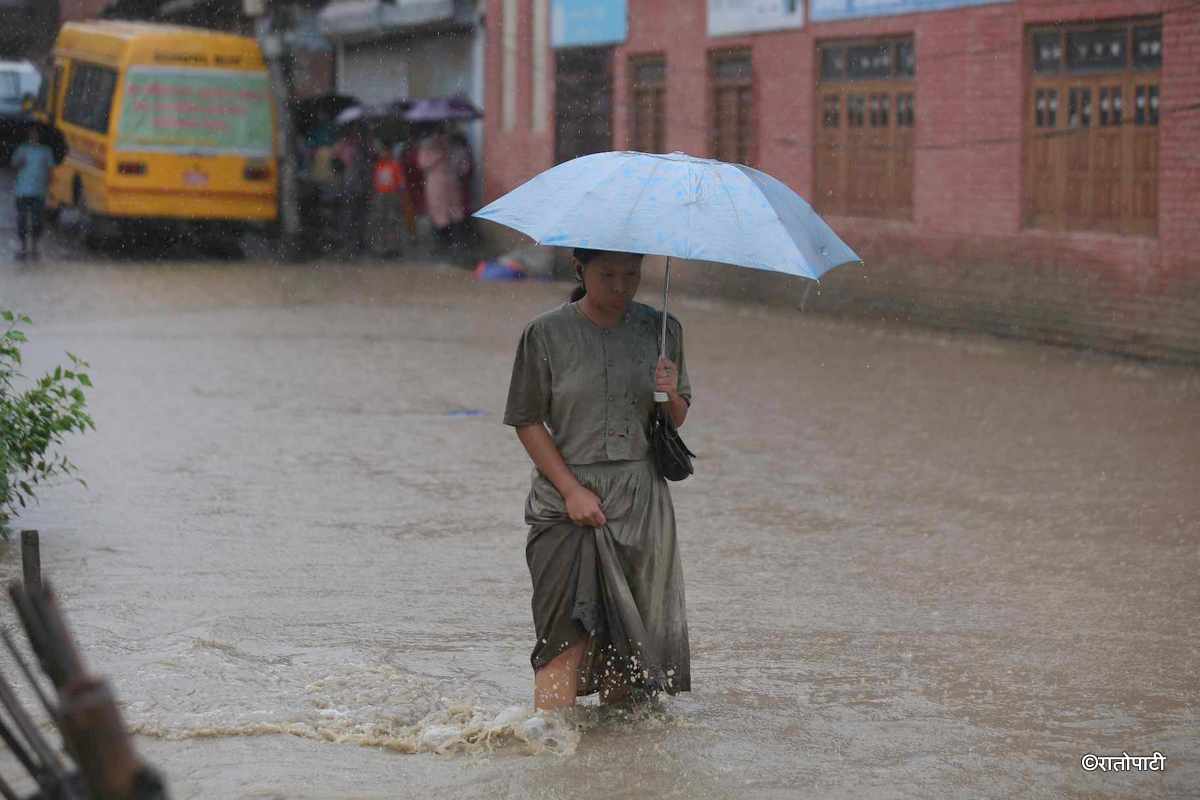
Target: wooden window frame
{"x":636,"y":89}
{"x":874,"y":115}
{"x":743,"y":85}
{"x":1065,"y":187}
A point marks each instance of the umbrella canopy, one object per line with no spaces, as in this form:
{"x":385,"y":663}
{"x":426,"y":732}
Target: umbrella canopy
{"x":673,"y":205}
{"x":387,"y":112}
{"x":352,"y":114}
{"x":442,"y":109}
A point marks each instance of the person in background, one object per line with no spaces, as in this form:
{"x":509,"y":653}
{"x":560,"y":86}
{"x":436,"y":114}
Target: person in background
{"x":443,"y":189}
{"x":463,"y":161}
{"x":319,"y":142}
{"x":389,"y":205}
{"x":357,"y":161}
{"x":414,"y":181}
{"x":33,"y":162}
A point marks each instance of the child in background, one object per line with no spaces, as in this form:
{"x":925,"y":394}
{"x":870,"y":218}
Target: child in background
{"x":33,"y":162}
{"x":389,"y":204}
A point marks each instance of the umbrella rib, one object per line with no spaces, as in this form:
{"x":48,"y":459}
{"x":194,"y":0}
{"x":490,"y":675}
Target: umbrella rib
{"x":568,"y":212}
{"x":729,"y":194}
{"x":691,"y":212}
{"x":790,"y":235}
{"x":634,"y":204}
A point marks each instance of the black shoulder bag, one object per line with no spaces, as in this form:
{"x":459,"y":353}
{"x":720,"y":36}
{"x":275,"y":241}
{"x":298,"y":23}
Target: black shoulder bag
{"x":671,"y":455}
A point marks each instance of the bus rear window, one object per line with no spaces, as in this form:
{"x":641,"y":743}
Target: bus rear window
{"x":196,"y":111}
{"x":89,"y":96}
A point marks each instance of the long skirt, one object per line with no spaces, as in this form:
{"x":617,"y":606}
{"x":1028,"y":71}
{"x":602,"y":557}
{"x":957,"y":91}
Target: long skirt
{"x":620,"y":584}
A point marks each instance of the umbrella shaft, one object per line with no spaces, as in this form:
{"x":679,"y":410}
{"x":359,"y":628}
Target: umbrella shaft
{"x":662,"y":342}
{"x":663,"y":397}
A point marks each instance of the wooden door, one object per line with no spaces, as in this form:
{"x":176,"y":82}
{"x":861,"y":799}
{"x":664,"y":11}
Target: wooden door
{"x":582,"y":102}
{"x":1078,"y":191}
{"x":1092,"y":128}
{"x":865,"y":146}
{"x":1043,"y":162}
{"x":732,"y":107}
{"x":903,"y":144}
{"x":866,"y":127}
{"x":648,"y":132}
{"x":1143,"y":157}
{"x":831,"y":147}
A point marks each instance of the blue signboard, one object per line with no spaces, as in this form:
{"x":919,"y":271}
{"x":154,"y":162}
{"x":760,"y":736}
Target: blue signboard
{"x":750,"y":16}
{"x":583,"y":23}
{"x":826,"y":10}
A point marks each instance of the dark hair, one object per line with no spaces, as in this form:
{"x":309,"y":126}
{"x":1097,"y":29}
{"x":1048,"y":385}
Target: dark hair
{"x":583,"y":255}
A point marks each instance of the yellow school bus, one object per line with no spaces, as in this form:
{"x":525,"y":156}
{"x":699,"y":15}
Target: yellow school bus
{"x":163,"y":123}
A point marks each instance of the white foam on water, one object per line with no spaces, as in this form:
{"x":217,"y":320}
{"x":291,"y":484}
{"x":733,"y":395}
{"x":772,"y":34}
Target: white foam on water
{"x":457,"y":728}
{"x":372,"y":706}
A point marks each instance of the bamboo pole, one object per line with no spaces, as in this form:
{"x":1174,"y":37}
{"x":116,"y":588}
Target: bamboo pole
{"x":31,"y":560}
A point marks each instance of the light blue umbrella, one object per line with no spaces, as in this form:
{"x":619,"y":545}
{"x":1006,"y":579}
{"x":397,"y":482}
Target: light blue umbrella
{"x":677,"y":206}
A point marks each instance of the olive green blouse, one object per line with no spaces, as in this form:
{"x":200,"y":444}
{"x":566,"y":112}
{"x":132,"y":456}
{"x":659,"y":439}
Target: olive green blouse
{"x":592,"y":386}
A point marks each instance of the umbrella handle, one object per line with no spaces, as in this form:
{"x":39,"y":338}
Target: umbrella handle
{"x":663,"y":397}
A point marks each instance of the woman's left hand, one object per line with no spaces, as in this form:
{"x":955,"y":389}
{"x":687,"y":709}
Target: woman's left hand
{"x":666,"y":376}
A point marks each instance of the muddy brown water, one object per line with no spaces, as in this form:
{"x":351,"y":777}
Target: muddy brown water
{"x":918,"y":565}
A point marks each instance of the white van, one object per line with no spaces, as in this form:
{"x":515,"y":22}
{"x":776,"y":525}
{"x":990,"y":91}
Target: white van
{"x":19,"y":85}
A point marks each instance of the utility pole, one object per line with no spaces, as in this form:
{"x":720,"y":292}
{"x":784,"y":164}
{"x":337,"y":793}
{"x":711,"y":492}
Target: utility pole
{"x":273,"y":19}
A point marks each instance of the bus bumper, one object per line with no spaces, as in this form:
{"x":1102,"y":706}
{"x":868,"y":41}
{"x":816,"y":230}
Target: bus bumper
{"x":125,"y":204}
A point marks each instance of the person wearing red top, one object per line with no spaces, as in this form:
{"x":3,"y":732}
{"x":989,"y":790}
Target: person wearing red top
{"x":388,"y":207}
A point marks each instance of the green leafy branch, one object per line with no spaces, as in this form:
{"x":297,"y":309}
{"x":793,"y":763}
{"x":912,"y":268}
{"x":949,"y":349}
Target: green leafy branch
{"x":34,"y":422}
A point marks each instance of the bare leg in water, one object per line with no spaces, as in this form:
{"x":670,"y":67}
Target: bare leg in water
{"x":556,"y":684}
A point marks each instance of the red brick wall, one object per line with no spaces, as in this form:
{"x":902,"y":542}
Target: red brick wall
{"x":1179,"y":142}
{"x":512,"y":157}
{"x":965,"y":255}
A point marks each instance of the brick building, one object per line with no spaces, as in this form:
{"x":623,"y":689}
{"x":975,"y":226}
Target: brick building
{"x":81,"y":9}
{"x":1022,"y":166}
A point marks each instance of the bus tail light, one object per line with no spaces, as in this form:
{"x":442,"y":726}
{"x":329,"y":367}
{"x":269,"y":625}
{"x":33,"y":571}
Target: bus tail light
{"x":257,"y":172}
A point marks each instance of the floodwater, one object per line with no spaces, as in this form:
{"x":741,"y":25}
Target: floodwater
{"x":917,"y":565}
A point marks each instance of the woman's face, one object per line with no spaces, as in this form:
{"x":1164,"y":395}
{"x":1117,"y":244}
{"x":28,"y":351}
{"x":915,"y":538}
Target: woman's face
{"x":612,"y":279}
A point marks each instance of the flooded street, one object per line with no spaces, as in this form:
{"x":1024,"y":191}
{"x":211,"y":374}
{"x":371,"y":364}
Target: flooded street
{"x":917,"y":565}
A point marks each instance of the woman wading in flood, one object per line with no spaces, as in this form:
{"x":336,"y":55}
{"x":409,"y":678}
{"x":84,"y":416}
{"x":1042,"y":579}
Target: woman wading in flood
{"x":608,"y":602}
